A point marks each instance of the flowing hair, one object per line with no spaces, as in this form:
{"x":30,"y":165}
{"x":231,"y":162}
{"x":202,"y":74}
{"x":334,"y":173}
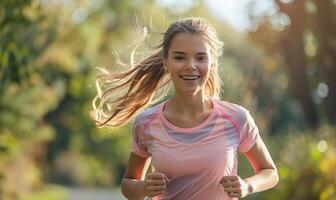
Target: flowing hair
{"x":122,"y":95}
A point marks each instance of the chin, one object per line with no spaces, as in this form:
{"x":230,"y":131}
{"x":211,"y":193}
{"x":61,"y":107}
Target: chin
{"x":189,"y":92}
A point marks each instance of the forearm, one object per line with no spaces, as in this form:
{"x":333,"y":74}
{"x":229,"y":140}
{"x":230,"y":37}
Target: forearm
{"x":262,"y":180}
{"x":133,"y":189}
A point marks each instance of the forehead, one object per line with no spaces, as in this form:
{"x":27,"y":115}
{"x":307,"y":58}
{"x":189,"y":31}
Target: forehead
{"x":190,"y":43}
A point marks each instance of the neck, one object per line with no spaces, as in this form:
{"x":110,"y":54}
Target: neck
{"x":190,"y":104}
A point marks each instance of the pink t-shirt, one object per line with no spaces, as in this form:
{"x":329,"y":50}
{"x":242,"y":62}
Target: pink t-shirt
{"x":195,"y":159}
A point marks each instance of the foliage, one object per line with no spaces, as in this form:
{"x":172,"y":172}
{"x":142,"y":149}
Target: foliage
{"x":20,"y":22}
{"x":48,"y":54}
{"x":298,"y":36}
{"x":25,"y":98}
{"x":306,"y":163}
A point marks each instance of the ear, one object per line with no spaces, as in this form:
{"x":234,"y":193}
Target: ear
{"x":165,"y":66}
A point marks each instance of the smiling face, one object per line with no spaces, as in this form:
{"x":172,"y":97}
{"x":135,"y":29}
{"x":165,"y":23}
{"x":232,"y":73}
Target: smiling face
{"x":188,"y":62}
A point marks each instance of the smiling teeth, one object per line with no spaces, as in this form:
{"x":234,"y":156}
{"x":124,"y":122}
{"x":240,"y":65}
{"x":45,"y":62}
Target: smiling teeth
{"x":190,"y":77}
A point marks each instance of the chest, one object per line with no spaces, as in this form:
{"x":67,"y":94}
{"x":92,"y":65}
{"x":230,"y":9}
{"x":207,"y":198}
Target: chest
{"x":193,"y":161}
{"x":214,"y":152}
{"x":213,"y":155}
{"x":186,"y":121}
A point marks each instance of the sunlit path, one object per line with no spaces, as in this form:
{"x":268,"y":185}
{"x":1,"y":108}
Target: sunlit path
{"x":94,"y":193}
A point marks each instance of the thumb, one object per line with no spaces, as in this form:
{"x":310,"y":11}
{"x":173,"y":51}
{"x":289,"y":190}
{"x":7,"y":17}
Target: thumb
{"x":227,"y":179}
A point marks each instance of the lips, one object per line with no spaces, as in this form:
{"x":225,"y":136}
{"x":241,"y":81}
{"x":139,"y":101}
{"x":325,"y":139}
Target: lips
{"x":190,"y":77}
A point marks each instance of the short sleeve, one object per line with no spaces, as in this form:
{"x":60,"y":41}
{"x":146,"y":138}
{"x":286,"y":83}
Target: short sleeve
{"x":139,"y":140}
{"x":249,"y":134}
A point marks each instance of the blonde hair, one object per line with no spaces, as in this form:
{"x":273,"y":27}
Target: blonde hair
{"x":122,"y":95}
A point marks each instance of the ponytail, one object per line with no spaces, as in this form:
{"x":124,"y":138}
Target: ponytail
{"x":122,"y":95}
{"x":137,"y":86}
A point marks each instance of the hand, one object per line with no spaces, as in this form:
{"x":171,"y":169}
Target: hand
{"x":155,"y":184}
{"x":234,"y":186}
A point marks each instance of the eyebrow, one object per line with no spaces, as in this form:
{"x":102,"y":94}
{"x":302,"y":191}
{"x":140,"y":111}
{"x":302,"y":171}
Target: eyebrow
{"x":181,"y":52}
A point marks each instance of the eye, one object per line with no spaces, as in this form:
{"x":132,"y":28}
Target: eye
{"x":178,"y":58}
{"x":202,"y":58}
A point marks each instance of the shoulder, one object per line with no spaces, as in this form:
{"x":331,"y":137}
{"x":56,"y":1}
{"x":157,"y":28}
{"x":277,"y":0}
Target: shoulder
{"x":147,"y":115}
{"x":235,"y":112}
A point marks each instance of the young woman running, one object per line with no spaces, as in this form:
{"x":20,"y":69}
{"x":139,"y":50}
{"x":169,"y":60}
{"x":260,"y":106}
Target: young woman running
{"x":191,"y":139}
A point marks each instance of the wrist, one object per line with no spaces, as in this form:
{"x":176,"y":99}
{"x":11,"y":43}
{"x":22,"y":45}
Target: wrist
{"x":142,"y":189}
{"x":133,"y":189}
{"x":249,"y":185}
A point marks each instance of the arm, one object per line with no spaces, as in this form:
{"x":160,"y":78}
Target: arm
{"x":266,"y":175}
{"x":133,"y":185}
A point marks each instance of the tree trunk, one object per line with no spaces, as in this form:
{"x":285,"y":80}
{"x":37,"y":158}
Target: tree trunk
{"x":327,"y":41}
{"x":292,"y":45}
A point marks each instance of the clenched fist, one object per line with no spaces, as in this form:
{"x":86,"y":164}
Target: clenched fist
{"x":234,"y":186}
{"x":155,"y":184}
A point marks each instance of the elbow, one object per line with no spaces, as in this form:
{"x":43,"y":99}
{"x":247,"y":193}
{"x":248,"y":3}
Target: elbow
{"x":272,"y":176}
{"x":124,"y":187}
{"x":276,"y":178}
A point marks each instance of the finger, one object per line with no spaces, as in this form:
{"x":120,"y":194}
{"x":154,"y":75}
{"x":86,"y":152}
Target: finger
{"x":232,"y":189}
{"x":228,"y":178}
{"x":234,"y":194}
{"x":231,"y":184}
{"x":166,"y":178}
{"x":156,"y":182}
{"x":155,"y":193}
{"x":156,"y":176}
{"x":156,"y":188}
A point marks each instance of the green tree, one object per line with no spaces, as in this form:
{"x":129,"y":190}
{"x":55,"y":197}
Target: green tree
{"x":25,"y":97}
{"x":297,"y":34}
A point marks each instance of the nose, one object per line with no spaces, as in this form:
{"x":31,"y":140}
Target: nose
{"x":191,"y":64}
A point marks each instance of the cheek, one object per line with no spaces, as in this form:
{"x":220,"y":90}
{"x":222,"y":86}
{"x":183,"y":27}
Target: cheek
{"x":205,"y":70}
{"x":175,"y":68}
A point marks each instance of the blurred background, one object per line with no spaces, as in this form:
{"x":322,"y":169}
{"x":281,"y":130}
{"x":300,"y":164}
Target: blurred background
{"x":279,"y":62}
